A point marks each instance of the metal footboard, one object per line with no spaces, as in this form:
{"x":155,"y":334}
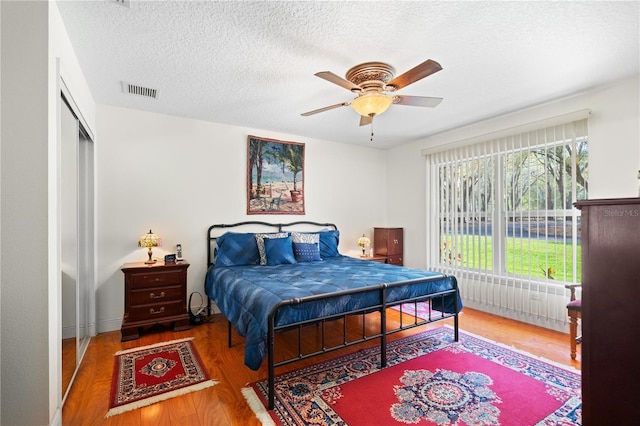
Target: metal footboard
{"x":382,"y":334}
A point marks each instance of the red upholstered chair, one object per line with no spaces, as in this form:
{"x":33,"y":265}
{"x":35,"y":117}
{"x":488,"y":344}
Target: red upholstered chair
{"x":574,"y":309}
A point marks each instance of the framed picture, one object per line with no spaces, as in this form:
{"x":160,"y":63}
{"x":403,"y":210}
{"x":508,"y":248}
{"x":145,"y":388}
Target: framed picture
{"x":275,"y":176}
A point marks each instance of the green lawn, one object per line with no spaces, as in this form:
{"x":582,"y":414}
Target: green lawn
{"x":527,"y":257}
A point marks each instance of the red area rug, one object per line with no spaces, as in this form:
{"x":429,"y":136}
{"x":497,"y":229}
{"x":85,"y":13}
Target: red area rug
{"x":150,"y":374}
{"x":429,"y":379}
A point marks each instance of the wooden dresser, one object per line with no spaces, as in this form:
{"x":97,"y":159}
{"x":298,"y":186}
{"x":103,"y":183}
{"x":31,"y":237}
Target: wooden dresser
{"x":154,"y":294}
{"x":610,"y":318}
{"x":388,"y":242}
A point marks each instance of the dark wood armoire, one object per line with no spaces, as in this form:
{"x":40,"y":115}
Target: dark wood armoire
{"x":610,"y":232}
{"x":389,"y":242}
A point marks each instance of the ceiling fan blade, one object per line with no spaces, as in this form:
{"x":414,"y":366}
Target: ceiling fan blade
{"x":416,"y":73}
{"x":420,"y":101}
{"x":335,"y":79}
{"x":365,"y":120}
{"x":316,"y":111}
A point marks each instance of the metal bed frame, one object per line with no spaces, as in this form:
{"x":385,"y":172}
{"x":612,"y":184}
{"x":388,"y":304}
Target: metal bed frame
{"x":321,"y":321}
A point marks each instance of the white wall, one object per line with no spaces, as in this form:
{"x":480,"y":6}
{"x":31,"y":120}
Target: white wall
{"x":34,"y":44}
{"x":179,"y":176}
{"x":24,"y":269}
{"x":614,"y":160}
{"x":614,"y":155}
{"x":70,"y":71}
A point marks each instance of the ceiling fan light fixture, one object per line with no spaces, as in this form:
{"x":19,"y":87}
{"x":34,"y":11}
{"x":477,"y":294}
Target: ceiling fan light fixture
{"x":371,"y":104}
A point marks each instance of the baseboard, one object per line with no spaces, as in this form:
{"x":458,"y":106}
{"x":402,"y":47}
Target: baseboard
{"x":69,"y":331}
{"x":57,"y":418}
{"x":113,"y":324}
{"x":561,"y":326}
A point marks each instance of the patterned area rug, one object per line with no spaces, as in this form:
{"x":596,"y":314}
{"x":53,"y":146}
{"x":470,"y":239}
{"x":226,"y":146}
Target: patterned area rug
{"x":429,"y":379}
{"x":421,"y":310}
{"x":150,"y":374}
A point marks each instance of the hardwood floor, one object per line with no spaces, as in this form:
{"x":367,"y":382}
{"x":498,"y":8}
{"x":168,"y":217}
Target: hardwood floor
{"x":68,"y":361}
{"x":223,"y":404}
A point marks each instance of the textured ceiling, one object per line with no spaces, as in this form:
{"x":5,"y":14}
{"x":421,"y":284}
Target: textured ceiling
{"x":252,"y":64}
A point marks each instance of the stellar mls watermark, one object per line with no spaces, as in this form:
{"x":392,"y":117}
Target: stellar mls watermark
{"x":621,"y":213}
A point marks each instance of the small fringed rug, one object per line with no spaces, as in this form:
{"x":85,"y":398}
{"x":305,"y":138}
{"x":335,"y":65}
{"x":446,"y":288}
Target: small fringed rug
{"x":145,"y":375}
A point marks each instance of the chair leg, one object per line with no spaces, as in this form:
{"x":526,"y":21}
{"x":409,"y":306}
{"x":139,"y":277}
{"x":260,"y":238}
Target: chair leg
{"x":573,"y":331}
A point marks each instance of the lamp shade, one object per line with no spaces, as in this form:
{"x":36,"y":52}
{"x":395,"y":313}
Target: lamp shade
{"x":150,"y":240}
{"x":364,"y":241}
{"x":371,"y":104}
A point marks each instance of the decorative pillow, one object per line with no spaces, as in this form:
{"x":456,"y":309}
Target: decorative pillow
{"x":303,"y":237}
{"x":279,"y":251}
{"x":306,"y":246}
{"x":236,"y":249}
{"x":306,"y":252}
{"x":260,"y":242}
{"x":329,"y":241}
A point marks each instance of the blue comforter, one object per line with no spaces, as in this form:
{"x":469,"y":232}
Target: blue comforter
{"x":246,"y":294}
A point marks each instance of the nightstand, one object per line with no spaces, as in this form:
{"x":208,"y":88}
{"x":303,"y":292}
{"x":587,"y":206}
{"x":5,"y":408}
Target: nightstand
{"x":154,"y":294}
{"x":376,"y":258}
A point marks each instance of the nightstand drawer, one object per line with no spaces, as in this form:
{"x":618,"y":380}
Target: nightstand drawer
{"x":156,"y":310}
{"x":394,"y":260}
{"x":156,"y":295}
{"x":155,"y":279}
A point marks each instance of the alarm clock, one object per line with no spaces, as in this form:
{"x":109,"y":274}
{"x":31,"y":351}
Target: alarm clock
{"x":170,"y":258}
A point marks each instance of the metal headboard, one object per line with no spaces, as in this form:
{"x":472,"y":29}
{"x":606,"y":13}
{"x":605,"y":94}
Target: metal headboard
{"x":215,"y":231}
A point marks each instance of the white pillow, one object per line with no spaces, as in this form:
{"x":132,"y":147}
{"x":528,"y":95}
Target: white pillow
{"x":300,"y":237}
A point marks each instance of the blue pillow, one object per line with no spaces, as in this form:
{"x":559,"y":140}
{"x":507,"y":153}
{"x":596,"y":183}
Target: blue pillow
{"x":279,"y":251}
{"x":306,"y":252}
{"x":329,"y":241}
{"x":260,"y":241}
{"x":236,"y":249}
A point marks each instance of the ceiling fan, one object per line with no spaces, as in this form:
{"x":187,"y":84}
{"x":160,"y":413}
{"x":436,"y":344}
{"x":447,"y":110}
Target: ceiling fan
{"x":375,"y":85}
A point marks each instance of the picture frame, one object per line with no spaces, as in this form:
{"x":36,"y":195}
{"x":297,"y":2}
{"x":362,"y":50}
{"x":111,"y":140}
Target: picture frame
{"x":275,"y":176}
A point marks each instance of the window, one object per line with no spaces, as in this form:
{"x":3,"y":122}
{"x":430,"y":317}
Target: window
{"x":504,"y":206}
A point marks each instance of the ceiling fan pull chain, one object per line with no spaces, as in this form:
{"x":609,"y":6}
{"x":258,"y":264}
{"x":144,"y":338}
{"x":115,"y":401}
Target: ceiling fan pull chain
{"x":371,"y":140}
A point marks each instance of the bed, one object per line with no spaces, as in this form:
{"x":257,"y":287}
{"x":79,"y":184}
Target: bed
{"x":266,"y":278}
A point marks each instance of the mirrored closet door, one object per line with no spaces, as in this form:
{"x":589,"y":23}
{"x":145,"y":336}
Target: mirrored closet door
{"x":77,"y":259}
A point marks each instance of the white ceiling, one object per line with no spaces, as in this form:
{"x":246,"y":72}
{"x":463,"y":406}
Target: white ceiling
{"x":252,"y":64}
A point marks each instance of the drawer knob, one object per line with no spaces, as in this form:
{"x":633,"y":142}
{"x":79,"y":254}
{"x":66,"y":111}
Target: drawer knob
{"x":154,"y":312}
{"x":157,"y":279}
{"x":153,"y":296}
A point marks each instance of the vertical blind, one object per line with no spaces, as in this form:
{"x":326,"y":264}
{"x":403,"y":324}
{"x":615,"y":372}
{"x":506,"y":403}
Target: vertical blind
{"x":502,"y":208}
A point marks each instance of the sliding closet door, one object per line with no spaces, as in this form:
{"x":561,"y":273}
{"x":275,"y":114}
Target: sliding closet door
{"x":86,"y":245}
{"x":69,"y":242}
{"x":77,"y":238}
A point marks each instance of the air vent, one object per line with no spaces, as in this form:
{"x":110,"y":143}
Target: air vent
{"x":124,"y":3}
{"x":134,"y":89}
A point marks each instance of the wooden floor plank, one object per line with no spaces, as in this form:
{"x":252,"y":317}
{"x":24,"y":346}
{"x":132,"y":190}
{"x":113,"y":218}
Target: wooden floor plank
{"x":223,"y":404}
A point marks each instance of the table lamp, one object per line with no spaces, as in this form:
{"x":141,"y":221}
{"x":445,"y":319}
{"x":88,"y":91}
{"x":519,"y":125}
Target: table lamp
{"x":150,"y":240}
{"x":364,"y":242}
